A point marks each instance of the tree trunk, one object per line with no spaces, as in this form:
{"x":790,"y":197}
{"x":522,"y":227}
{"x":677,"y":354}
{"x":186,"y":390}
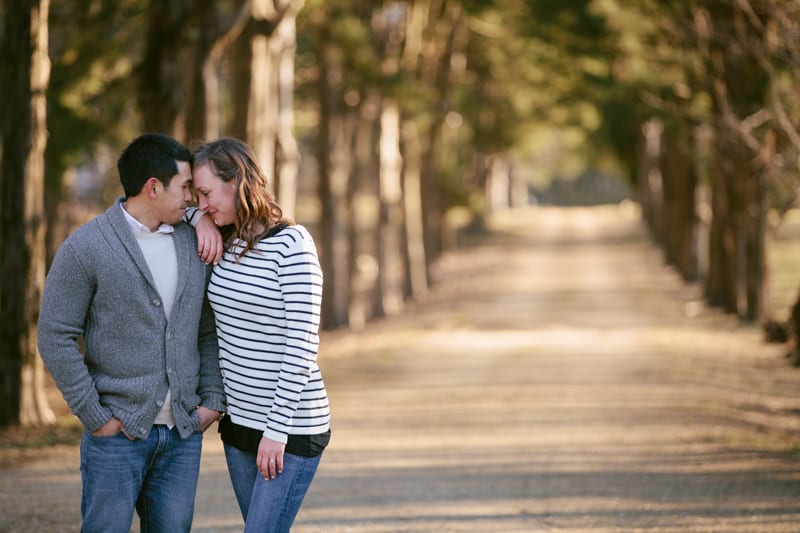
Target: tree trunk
{"x":364,"y":217}
{"x":412,"y":203}
{"x":177,"y":90}
{"x":163,"y":73}
{"x":270,"y":121}
{"x":334,"y":161}
{"x":519,"y":196}
{"x":24,"y":76}
{"x":211,"y":66}
{"x":649,"y":177}
{"x":754,"y":217}
{"x":239,"y":58}
{"x":738,"y":87}
{"x":391,"y":265}
{"x":679,"y":199}
{"x":263,"y":99}
{"x":723,"y":265}
{"x":435,"y":73}
{"x":498,"y":184}
{"x":201,"y":29}
{"x":289,"y":152}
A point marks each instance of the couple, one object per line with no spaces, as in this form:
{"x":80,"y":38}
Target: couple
{"x":171,"y":344}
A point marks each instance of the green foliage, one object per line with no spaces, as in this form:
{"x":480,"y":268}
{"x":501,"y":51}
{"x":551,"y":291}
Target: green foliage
{"x":526,"y":66}
{"x":93,"y":47}
{"x":588,"y":72}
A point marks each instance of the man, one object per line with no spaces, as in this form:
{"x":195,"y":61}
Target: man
{"x":131,"y":283}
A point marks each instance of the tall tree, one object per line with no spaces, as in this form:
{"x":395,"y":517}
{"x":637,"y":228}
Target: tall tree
{"x":434,"y":72}
{"x":680,"y":181}
{"x":171,"y":81}
{"x":93,"y":46}
{"x":24,"y":75}
{"x":334,"y":141}
{"x":270,"y":118}
{"x":162,"y":73}
{"x":715,"y":62}
{"x":738,"y":88}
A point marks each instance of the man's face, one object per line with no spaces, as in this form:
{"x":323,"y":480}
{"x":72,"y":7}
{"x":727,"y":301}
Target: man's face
{"x":175,"y":198}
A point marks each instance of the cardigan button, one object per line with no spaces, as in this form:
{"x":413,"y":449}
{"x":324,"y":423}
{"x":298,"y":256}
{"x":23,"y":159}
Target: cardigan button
{"x":156,"y":303}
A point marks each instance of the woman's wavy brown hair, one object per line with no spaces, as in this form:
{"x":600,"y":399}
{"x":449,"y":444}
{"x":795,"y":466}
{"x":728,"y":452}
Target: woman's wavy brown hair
{"x":256,"y":209}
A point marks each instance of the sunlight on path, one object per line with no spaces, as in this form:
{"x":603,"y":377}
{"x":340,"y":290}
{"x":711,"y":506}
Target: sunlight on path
{"x":560,"y":377}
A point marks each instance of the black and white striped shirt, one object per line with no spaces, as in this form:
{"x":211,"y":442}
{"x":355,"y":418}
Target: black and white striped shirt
{"x":267,"y":309}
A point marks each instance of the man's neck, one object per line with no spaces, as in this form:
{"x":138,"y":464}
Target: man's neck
{"x":138,"y":209}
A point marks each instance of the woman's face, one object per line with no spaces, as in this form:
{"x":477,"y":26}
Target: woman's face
{"x":215,"y":196}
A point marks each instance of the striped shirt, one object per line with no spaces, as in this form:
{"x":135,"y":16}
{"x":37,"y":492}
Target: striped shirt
{"x":267,"y":309}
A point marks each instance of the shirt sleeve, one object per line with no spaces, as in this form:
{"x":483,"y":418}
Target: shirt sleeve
{"x":67,"y":296}
{"x":211,"y":389}
{"x":300,"y":281}
{"x":193,"y":215}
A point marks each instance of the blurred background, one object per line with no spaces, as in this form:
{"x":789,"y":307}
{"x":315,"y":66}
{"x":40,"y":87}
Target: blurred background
{"x":393,"y":129}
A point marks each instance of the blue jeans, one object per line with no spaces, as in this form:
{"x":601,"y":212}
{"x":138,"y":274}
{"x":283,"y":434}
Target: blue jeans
{"x":269,"y":505}
{"x":157,"y":476}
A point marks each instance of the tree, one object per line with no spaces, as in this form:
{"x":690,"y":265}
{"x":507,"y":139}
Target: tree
{"x":716,"y":62}
{"x":332,"y":149}
{"x":270,"y":117}
{"x":24,"y":75}
{"x":162,"y":73}
{"x":680,"y":183}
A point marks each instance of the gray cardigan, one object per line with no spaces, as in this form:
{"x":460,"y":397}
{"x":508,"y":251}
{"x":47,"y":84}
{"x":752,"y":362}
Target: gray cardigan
{"x":99,"y":287}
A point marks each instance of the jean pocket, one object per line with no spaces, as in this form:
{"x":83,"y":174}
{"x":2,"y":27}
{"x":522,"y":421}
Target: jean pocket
{"x":116,"y":435}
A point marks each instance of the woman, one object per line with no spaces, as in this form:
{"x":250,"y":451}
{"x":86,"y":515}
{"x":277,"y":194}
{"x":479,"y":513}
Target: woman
{"x":266,"y":293}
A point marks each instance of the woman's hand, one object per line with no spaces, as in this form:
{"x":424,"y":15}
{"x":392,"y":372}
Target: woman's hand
{"x":270,"y":458}
{"x":209,"y":240}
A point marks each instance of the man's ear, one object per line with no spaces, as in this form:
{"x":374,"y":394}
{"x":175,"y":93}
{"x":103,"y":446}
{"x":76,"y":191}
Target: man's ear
{"x":151,"y":187}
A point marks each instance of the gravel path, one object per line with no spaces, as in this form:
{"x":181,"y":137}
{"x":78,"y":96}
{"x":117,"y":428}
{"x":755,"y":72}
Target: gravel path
{"x":559,"y":377}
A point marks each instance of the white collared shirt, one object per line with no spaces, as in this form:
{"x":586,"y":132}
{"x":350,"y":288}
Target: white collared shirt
{"x":159,"y":252}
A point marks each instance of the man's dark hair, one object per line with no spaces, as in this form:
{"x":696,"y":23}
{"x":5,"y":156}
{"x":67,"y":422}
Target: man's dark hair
{"x":150,"y":155}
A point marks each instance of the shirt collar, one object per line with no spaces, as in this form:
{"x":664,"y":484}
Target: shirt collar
{"x":138,"y":227}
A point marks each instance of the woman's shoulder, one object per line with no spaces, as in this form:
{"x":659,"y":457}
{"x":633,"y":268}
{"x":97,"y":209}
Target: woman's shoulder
{"x":293,"y":239}
{"x":301,"y":231}
{"x":293,"y":233}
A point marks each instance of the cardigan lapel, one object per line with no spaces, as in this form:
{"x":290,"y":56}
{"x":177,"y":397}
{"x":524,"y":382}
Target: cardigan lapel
{"x":125,"y":236}
{"x":185,"y":249}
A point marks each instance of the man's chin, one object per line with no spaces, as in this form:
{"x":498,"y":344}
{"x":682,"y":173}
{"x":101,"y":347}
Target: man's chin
{"x":177,"y":219}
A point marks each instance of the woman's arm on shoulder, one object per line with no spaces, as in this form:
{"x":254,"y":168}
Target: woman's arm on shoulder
{"x":209,"y":238}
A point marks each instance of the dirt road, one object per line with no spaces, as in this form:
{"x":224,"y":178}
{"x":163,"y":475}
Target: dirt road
{"x":558,"y":378}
